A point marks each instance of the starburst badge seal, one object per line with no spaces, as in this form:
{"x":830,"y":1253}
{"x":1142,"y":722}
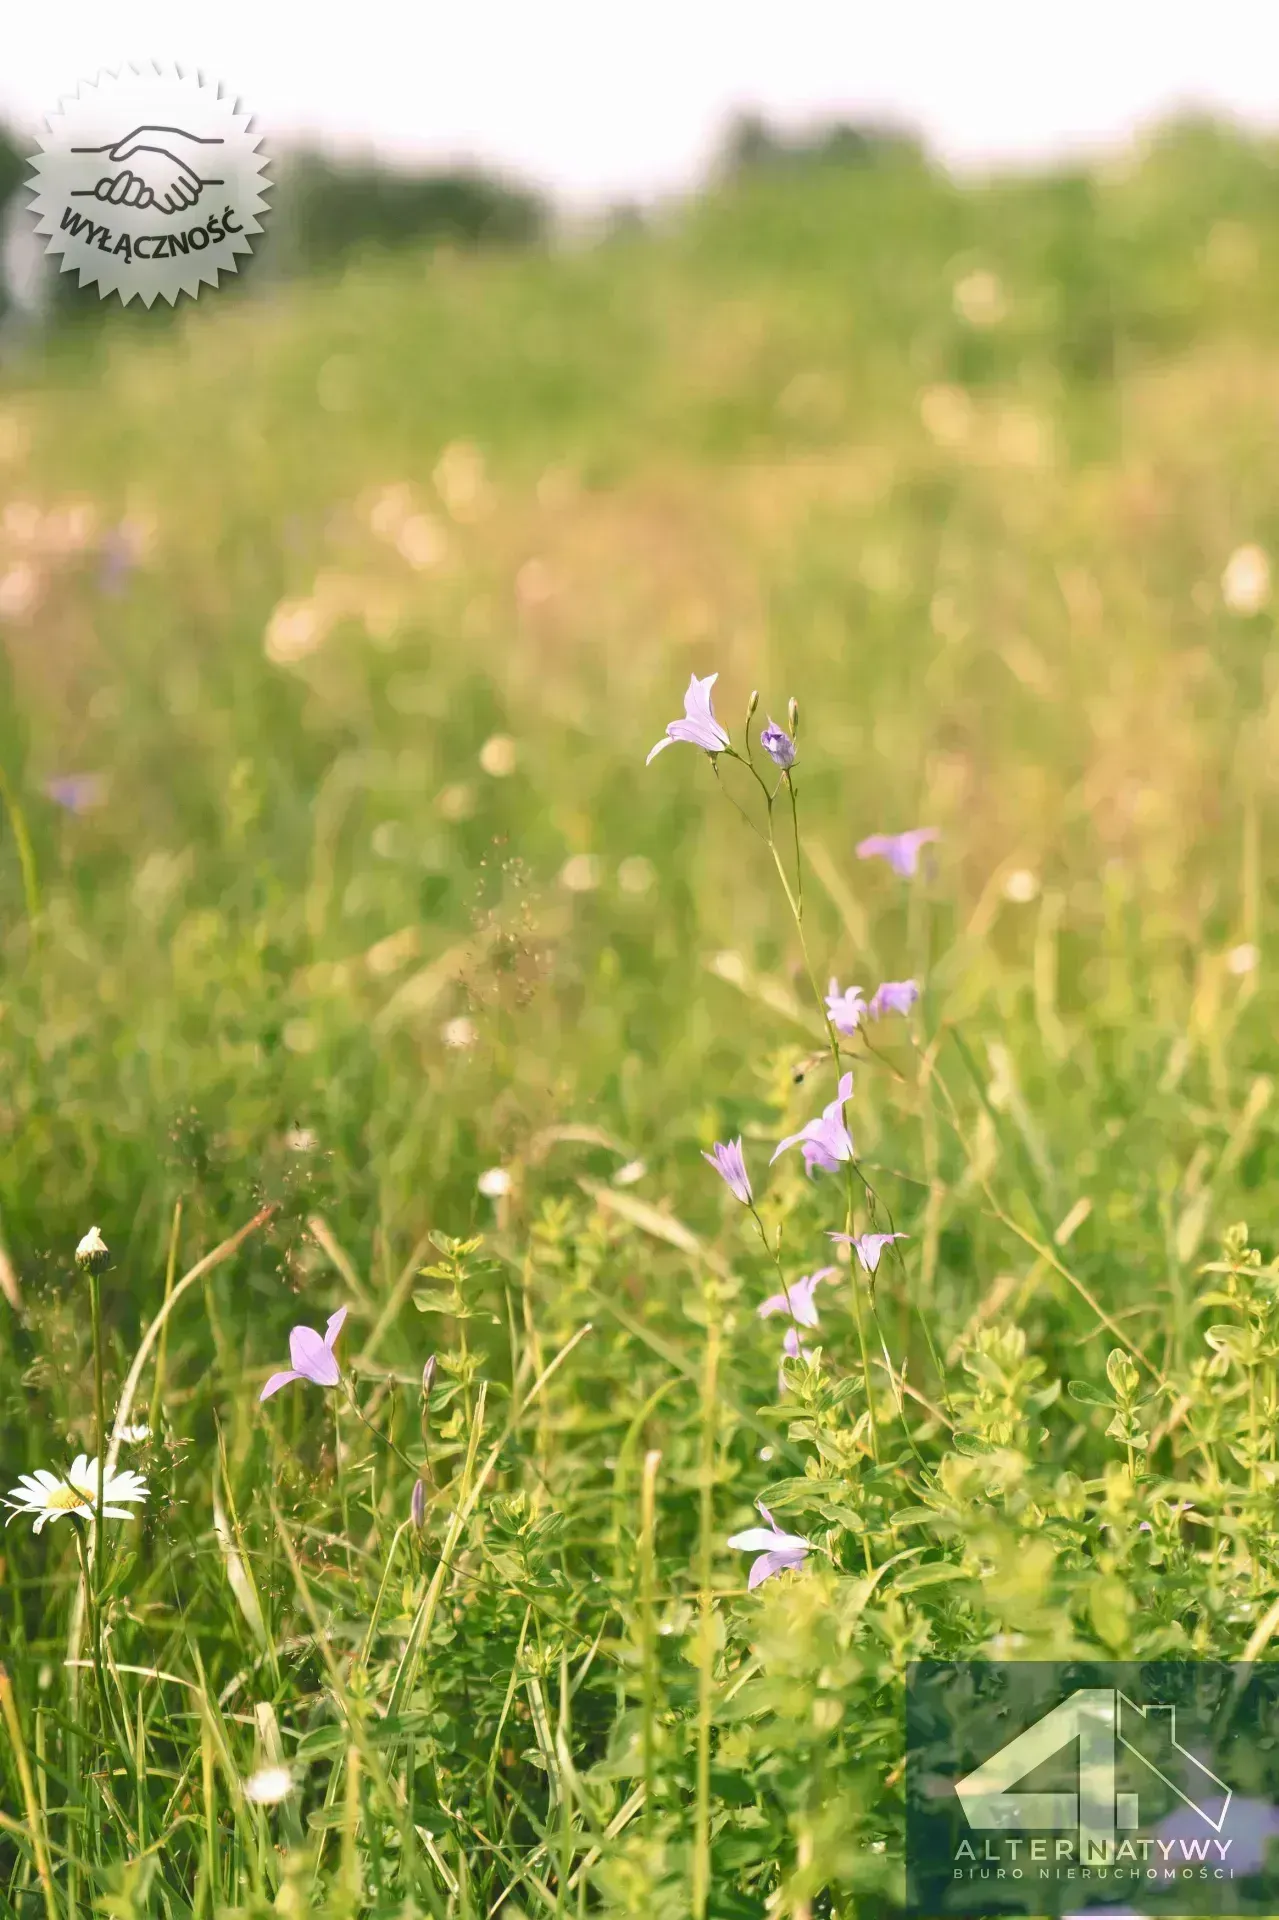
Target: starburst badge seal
{"x":149,"y":184}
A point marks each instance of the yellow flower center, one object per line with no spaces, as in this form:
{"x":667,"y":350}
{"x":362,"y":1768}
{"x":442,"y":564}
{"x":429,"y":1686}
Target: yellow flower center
{"x":66,"y":1499}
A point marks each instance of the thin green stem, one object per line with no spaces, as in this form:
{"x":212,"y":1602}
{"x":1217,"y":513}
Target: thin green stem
{"x":99,"y":1517}
{"x":706,"y":1633}
{"x":648,"y":1636}
{"x":381,"y":1438}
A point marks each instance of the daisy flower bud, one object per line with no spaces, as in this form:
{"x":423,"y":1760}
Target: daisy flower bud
{"x":92,"y":1252}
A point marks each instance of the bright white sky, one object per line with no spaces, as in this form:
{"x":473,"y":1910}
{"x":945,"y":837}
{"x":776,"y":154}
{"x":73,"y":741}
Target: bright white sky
{"x":604,"y":99}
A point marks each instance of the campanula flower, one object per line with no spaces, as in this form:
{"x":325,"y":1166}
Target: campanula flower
{"x":826,"y":1142}
{"x":778,"y":1552}
{"x":797,"y":1300}
{"x":77,"y":793}
{"x":901,"y":850}
{"x":869,"y":1247}
{"x":846,"y":1009}
{"x":312,"y":1357}
{"x":895,"y":996}
{"x":729,"y":1163}
{"x":778,"y":745}
{"x":699,"y":727}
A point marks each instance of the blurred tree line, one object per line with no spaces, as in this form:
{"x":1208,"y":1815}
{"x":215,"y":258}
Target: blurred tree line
{"x":324,"y":210}
{"x":327,"y":209}
{"x":752,"y":145}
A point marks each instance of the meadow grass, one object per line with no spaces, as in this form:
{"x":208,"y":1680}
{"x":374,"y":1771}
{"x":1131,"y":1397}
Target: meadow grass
{"x":362,"y":603}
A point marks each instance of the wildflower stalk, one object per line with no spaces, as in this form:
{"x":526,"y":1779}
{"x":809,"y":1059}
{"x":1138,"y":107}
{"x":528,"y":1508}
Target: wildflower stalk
{"x":795,"y":901}
{"x":170,"y":1273}
{"x":706,"y":1624}
{"x":99,"y":1518}
{"x":774,"y":1253}
{"x":87,"y":1573}
{"x":383,"y":1440}
{"x":648,"y":1638}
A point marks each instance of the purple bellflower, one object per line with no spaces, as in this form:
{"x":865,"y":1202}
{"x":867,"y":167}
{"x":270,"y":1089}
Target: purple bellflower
{"x":778,"y":745}
{"x":826,"y":1142}
{"x":730,"y":1165}
{"x":76,"y":792}
{"x":869,"y":1247}
{"x":778,"y":1552}
{"x":901,"y":850}
{"x":312,"y":1357}
{"x":699,"y":727}
{"x":895,"y":996}
{"x":847,"y":1009}
{"x":797,"y":1300}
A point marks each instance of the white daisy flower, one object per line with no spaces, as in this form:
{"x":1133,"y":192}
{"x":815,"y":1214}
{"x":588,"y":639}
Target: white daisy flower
{"x":48,"y":1497}
{"x":268,"y":1786}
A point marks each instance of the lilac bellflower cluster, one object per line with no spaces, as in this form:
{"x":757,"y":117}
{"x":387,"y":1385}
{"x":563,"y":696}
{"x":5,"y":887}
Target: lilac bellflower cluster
{"x":825,"y":1142}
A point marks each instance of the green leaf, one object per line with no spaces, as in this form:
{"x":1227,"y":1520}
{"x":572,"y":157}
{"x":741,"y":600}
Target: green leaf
{"x":933,"y":1574}
{"x":430,"y":1300}
{"x":1089,"y":1396}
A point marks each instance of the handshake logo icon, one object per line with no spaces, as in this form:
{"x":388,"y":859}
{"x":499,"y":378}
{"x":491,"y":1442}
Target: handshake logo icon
{"x":148,"y":184}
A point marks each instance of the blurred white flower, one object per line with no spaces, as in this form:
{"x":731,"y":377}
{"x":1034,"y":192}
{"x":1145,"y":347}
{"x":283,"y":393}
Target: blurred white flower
{"x":494,"y":1183}
{"x":421,"y":542}
{"x":628,"y":1175}
{"x":69,"y":528}
{"x":19,"y":591}
{"x":22,"y":520}
{"x":979,"y":299}
{"x":133,"y":1436}
{"x":390,"y":508}
{"x":1021,"y":885}
{"x":268,"y":1786}
{"x":456,"y":803}
{"x":459,"y":1033}
{"x":534,"y":583}
{"x":947,"y":414}
{"x":1243,"y":959}
{"x":1245,"y":584}
{"x":300,"y":1140}
{"x":635,"y":875}
{"x":731,"y":967}
{"x":294,"y":630}
{"x":497,"y":756}
{"x":460,"y":481}
{"x":581,"y":874}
